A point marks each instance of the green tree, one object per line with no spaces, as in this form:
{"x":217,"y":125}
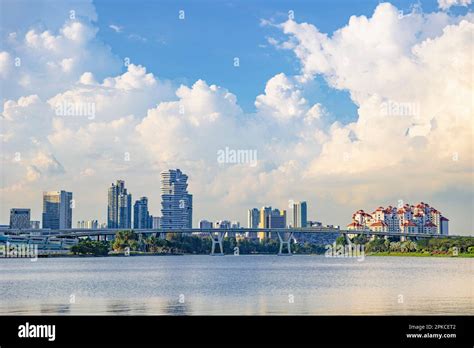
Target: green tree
{"x":124,"y":239}
{"x":89,"y":247}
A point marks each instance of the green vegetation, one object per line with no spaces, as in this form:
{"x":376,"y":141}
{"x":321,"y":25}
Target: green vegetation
{"x":125,"y":239}
{"x":460,"y":246}
{"x":183,"y":244}
{"x":176,"y":244}
{"x":270,"y":246}
{"x":341,"y":240}
{"x":89,"y":247}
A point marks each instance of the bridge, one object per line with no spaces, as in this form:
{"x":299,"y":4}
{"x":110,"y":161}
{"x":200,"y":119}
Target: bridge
{"x":216,"y":234}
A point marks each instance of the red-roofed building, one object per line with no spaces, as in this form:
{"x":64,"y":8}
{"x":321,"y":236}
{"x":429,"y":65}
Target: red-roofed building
{"x":354,"y":225}
{"x":406,"y":218}
{"x":429,"y":227}
{"x":409,"y":227}
{"x":379,"y":226}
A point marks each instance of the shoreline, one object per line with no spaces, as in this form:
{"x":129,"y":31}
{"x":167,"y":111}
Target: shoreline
{"x":416,"y":254}
{"x":381,"y":254}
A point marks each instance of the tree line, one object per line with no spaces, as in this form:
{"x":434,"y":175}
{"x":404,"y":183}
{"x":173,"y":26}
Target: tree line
{"x":129,"y":241}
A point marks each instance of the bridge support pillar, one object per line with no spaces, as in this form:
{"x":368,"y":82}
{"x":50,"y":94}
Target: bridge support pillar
{"x":348,"y":240}
{"x":216,"y":238}
{"x":285,"y":239}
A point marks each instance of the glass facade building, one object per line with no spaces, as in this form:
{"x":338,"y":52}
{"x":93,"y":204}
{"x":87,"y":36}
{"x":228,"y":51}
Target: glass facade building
{"x":57,"y":210}
{"x":141,"y":215}
{"x":119,"y":208}
{"x":20,"y":218}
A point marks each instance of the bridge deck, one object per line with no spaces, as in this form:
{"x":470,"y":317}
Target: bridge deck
{"x":77,"y":232}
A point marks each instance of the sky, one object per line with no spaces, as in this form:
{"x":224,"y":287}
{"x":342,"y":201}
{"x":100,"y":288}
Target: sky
{"x":346,"y":104}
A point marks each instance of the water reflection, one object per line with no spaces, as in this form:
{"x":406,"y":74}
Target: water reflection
{"x":177,"y":308}
{"x":55,"y":309}
{"x":244,"y":285}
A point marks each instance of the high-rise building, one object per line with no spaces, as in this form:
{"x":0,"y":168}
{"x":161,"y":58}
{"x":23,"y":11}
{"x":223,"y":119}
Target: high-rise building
{"x":90,"y":224}
{"x":205,"y":224}
{"x":253,"y":218}
{"x":176,"y":202}
{"x":156,"y":222}
{"x":222,"y":224}
{"x":20,"y":218}
{"x":265,"y":214}
{"x":57,"y":209}
{"x":278,"y":218}
{"x":300,"y":214}
{"x":271,"y":218}
{"x":141,"y":215}
{"x":119,"y":208}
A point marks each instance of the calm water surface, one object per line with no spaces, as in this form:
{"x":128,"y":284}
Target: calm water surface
{"x":237,"y":285}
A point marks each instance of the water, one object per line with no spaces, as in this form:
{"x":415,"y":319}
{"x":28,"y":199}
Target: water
{"x":237,"y":285}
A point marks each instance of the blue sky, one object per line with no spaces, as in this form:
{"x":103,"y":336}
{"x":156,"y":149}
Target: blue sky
{"x":204,"y":45}
{"x":213,"y":33}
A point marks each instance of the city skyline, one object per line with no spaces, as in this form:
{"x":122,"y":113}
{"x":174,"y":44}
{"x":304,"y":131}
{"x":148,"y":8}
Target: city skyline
{"x":177,"y":205}
{"x":288,"y":109}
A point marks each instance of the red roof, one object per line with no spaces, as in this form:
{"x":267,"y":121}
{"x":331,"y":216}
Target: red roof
{"x":354,"y":223}
{"x":409,"y":223}
{"x":379,"y":223}
{"x":430,"y":224}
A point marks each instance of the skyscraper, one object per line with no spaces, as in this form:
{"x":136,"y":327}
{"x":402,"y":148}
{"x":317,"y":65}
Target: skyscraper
{"x":176,"y":202}
{"x":155,"y":222}
{"x":253,"y":218}
{"x":91,"y":224}
{"x":119,"y":208}
{"x":271,"y":218}
{"x":20,"y":218}
{"x":141,"y":215}
{"x":57,"y":209}
{"x":300,"y":214}
{"x":205,"y":224}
